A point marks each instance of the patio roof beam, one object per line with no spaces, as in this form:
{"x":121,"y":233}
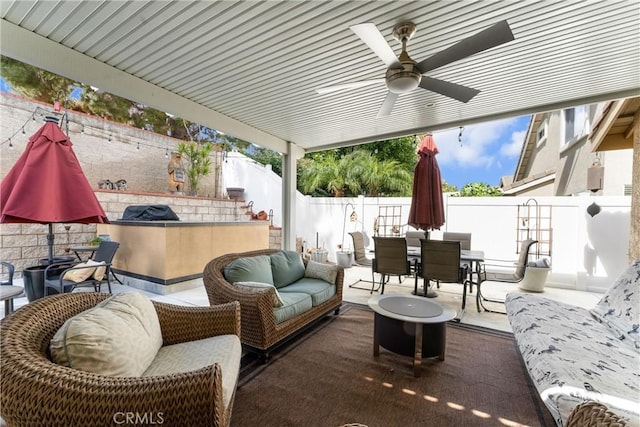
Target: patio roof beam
{"x":28,"y":47}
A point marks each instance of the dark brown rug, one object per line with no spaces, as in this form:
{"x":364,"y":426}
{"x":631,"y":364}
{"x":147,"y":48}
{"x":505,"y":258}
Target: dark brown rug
{"x":329,"y":377}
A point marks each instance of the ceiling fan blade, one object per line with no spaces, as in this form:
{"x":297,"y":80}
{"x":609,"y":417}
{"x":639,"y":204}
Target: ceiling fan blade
{"x":387,"y":104}
{"x":373,"y":38}
{"x":452,"y":90}
{"x":493,"y":36}
{"x":347,"y":86}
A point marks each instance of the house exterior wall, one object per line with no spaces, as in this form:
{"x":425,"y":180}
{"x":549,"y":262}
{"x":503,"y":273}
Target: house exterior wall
{"x":618,"y":171}
{"x":571,"y":162}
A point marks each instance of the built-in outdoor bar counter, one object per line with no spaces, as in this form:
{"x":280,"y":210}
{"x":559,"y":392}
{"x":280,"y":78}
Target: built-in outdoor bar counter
{"x":163,"y":253}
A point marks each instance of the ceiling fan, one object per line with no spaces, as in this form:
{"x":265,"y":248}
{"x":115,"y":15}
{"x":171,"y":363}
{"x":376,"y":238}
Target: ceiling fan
{"x":404,"y":74}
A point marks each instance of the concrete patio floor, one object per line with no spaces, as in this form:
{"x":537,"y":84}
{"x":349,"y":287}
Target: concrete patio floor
{"x":449,"y":295}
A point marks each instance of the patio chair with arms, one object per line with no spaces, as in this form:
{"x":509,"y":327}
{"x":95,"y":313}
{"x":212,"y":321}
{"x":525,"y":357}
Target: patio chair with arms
{"x":90,"y":273}
{"x":360,"y":258}
{"x":465,"y":245}
{"x":390,"y":259}
{"x":440,"y":261}
{"x":502,"y":271}
{"x":7,"y":290}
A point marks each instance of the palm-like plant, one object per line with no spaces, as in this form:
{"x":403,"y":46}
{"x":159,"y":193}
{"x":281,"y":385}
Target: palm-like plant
{"x":387,"y":176}
{"x":198,"y":162}
{"x":336,"y":175}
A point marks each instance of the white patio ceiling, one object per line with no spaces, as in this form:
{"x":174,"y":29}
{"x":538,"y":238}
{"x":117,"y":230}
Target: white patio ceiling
{"x":250,"y":68}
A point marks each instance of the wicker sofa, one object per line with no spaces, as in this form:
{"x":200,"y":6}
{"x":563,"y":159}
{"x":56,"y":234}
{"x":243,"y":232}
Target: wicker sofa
{"x":575,"y":355}
{"x":263,"y":327}
{"x":37,"y":391}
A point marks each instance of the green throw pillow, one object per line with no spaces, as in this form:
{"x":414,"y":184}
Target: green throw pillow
{"x":250,"y":269}
{"x":277,"y":300}
{"x":286,"y":267}
{"x":317,"y":270}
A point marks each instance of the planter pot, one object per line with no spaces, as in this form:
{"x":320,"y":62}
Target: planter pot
{"x":319,"y":255}
{"x":235,"y":193}
{"x":534,"y":279}
{"x":344,"y":259}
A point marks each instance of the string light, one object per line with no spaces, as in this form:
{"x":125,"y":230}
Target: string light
{"x":460,"y":135}
{"x":41,"y":112}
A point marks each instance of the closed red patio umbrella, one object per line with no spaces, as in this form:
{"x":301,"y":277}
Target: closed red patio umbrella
{"x":47,"y":185}
{"x":427,"y":207}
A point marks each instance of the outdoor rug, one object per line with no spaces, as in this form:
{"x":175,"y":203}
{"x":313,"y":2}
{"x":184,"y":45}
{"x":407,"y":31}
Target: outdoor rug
{"x":329,"y":377}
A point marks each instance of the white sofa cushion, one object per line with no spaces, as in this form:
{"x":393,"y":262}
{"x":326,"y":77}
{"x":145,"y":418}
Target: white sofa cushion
{"x":619,"y":308}
{"x":118,"y":337}
{"x":322,"y":271}
{"x":225,"y":350}
{"x":571,"y":357}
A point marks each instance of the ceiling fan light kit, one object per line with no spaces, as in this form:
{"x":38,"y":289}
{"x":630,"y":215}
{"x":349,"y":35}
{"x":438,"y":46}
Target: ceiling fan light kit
{"x":404,"y":74}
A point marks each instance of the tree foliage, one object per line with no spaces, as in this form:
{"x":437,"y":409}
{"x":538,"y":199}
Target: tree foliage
{"x":480,"y":189}
{"x":357,"y":172}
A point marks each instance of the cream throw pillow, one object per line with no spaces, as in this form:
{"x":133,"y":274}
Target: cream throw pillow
{"x":119,"y":337}
{"x":101,"y":268}
{"x":277,"y":299}
{"x":81,"y":274}
{"x":318,"y":270}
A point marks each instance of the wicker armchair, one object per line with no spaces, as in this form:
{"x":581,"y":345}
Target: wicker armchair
{"x":36,"y":391}
{"x":260,"y":332}
{"x":593,"y":414}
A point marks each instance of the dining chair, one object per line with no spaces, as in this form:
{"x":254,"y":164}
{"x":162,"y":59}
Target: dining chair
{"x":390,"y":259}
{"x":506,"y":271}
{"x":463,"y":238}
{"x":360,"y":258}
{"x":413,"y":239}
{"x":440,"y":261}
{"x":465,"y":245}
{"x":7,"y":289}
{"x":93,"y":276}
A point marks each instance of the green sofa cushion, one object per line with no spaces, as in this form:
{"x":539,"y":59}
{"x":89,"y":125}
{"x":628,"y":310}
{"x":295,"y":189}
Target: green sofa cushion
{"x":294,"y":304}
{"x":319,"y":290}
{"x":286,"y":267}
{"x":250,"y":269}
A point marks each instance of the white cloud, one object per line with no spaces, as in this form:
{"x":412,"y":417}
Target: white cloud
{"x":513,"y":148}
{"x":479,"y":144}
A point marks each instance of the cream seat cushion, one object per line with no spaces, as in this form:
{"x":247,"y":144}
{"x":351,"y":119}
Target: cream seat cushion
{"x":225,"y":350}
{"x":118,"y":337}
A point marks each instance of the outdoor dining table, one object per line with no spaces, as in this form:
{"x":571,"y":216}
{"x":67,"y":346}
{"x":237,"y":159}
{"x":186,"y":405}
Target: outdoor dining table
{"x":90,"y":249}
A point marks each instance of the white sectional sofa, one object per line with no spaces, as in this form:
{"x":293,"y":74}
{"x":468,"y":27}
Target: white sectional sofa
{"x":575,"y":355}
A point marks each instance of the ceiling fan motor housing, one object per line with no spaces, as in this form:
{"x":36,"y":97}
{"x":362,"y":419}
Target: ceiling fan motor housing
{"x":405,"y":79}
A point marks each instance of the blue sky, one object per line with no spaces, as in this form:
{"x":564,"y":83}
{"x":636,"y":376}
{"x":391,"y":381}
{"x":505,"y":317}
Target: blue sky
{"x":487,"y":152}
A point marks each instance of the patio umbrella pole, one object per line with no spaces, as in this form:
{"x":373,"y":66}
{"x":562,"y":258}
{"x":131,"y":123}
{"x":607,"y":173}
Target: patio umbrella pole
{"x":50,"y":239}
